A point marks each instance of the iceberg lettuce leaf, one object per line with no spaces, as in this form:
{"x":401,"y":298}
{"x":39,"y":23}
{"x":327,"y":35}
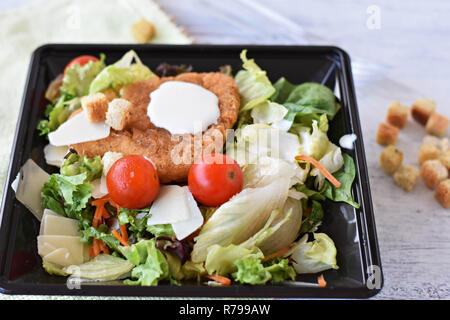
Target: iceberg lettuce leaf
{"x":241,"y":217}
{"x":121,"y":73}
{"x":220,"y":260}
{"x":103,"y":267}
{"x":253,"y":83}
{"x":77,"y":79}
{"x":332,"y":161}
{"x":315,"y":256}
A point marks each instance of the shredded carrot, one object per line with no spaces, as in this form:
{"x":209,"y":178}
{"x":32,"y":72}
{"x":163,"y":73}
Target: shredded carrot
{"x":223,"y":280}
{"x":96,"y":247}
{"x":114,"y":205}
{"x":97,"y":217}
{"x":123,"y":231}
{"x":103,"y":247}
{"x":324,"y":171}
{"x":91,"y":251}
{"x":101,"y":201}
{"x":321,"y":281}
{"x":120,"y":238}
{"x":104,"y":213}
{"x":276,"y":254}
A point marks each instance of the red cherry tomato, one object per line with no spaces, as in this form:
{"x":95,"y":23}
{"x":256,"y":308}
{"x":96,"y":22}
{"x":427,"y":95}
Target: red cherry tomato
{"x":81,"y":60}
{"x":215,"y":179}
{"x":132,"y":182}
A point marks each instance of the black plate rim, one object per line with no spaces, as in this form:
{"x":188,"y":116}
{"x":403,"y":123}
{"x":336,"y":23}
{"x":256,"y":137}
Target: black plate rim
{"x":371,"y":243}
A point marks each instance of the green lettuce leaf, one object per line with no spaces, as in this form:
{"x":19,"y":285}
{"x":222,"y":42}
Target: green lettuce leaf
{"x":252,"y":271}
{"x":346,"y":176}
{"x":314,"y":219}
{"x":253,"y":83}
{"x":315,"y":256}
{"x":103,"y":267}
{"x":100,"y":233}
{"x":311,"y":194}
{"x":53,"y":269}
{"x":161,"y":229}
{"x":121,"y":73}
{"x":220,"y":260}
{"x":67,"y":196}
{"x":77,"y":79}
{"x":76,"y":164}
{"x":281,"y":271}
{"x":58,"y":113}
{"x":305,"y":102}
{"x":151,"y":265}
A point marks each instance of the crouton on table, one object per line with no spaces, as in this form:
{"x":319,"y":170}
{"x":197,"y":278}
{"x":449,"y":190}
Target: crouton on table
{"x":387,"y":134}
{"x":444,"y":158}
{"x":390,"y":159}
{"x":437,"y":124}
{"x":433,"y":172}
{"x":422,"y":109}
{"x":143,"y":31}
{"x":118,"y":113}
{"x":427,"y":152}
{"x":397,"y":114}
{"x":95,"y":105}
{"x":443,"y":193}
{"x":406,"y":177}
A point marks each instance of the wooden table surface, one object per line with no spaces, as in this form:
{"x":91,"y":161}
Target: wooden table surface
{"x":401,"y":55}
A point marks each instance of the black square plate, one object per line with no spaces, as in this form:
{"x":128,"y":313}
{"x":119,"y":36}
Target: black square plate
{"x":352,"y":230}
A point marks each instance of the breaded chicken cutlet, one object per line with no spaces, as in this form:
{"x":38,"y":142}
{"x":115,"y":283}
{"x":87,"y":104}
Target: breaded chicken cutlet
{"x":140,"y":136}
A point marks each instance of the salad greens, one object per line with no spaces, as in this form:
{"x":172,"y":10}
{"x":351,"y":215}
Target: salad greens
{"x":67,"y":195}
{"x":253,"y":237}
{"x":151,"y":265}
{"x":77,"y":79}
{"x":121,"y":73}
{"x":315,"y":256}
{"x":252,"y":271}
{"x":76,"y":164}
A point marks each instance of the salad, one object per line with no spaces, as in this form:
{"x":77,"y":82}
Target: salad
{"x":247,"y":211}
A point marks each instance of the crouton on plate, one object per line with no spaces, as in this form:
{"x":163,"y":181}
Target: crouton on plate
{"x":95,"y":105}
{"x":118,"y":113}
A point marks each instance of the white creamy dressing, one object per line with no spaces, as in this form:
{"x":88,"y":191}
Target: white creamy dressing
{"x":183,"y":107}
{"x":346,"y":141}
